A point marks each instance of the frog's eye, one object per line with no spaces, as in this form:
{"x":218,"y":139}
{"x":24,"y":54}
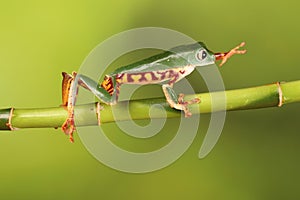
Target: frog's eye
{"x":201,"y":54}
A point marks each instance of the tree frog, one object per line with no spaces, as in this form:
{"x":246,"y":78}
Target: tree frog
{"x":165,"y":69}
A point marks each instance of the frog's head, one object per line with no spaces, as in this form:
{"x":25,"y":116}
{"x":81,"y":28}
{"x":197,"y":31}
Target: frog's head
{"x":199,"y":55}
{"x":195,"y":54}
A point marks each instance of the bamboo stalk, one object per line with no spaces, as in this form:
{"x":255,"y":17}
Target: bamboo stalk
{"x":271,"y":95}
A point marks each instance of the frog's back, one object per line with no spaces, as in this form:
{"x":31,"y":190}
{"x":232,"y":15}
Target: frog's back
{"x":148,"y":64}
{"x":174,"y":58}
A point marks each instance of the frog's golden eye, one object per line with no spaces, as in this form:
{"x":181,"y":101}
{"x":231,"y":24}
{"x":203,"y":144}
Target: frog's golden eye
{"x":201,"y":55}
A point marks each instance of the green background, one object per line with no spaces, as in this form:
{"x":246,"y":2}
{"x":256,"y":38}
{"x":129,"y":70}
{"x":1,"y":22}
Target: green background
{"x":257,"y":156}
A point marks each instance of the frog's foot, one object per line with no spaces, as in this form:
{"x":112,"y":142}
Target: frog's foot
{"x":68,"y":126}
{"x":184,"y":104}
{"x":225,"y":56}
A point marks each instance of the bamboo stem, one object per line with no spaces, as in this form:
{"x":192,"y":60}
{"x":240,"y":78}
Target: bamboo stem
{"x":265,"y":96}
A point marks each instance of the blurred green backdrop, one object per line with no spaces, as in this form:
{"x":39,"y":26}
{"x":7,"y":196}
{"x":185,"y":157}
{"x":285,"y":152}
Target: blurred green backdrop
{"x":257,"y":154}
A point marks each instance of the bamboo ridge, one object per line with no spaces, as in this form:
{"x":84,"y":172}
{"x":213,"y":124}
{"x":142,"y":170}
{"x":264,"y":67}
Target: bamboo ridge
{"x":272,"y":95}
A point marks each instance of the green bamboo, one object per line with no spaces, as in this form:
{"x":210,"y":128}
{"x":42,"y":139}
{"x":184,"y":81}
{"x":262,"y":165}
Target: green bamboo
{"x":238,"y":99}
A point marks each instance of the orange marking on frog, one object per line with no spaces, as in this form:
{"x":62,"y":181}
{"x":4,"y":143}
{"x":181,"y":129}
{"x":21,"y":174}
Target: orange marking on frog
{"x":107,"y":84}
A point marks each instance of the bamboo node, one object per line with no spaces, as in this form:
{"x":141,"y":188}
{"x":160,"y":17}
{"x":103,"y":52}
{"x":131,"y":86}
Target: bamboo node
{"x":9,"y":124}
{"x":98,"y":109}
{"x":280,"y":94}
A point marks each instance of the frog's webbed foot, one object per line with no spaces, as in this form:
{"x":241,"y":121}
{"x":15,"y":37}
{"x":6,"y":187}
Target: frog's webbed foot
{"x":68,"y":126}
{"x":225,"y":56}
{"x":178,"y":102}
{"x":184,"y":104}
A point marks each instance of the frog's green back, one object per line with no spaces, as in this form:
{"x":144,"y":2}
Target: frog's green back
{"x":174,"y":58}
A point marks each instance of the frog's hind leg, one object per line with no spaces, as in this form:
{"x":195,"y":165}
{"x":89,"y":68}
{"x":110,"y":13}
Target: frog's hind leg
{"x":106,"y":92}
{"x":177,"y":102}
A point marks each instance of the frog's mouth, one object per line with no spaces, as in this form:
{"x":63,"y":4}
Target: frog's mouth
{"x":220,"y":56}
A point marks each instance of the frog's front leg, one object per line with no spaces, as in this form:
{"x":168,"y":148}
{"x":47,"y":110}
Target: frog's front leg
{"x":224,"y":56}
{"x":106,"y":92}
{"x":178,"y":102}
